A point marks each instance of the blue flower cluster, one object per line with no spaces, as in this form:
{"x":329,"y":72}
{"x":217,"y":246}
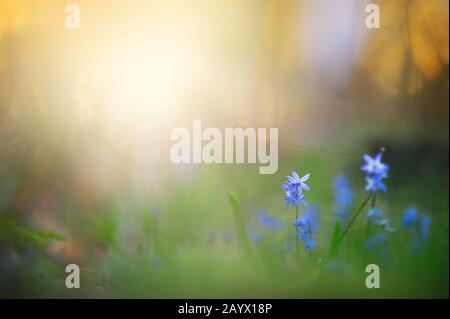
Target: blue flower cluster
{"x":376,"y":171}
{"x":306,"y":225}
{"x":419,"y":224}
{"x":294,"y":189}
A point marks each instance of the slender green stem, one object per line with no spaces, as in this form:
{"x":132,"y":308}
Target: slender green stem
{"x":367,"y":228}
{"x":373,"y":203}
{"x":355,"y":215}
{"x":374,"y":200}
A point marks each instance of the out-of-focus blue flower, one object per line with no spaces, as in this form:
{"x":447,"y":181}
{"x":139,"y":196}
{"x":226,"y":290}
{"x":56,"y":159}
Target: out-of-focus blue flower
{"x":419,"y":225}
{"x":424,"y":227}
{"x":310,"y":244}
{"x":375,"y":241}
{"x":311,"y":216}
{"x":343,"y":197}
{"x":304,"y":233}
{"x":386,"y":225}
{"x":374,"y":166}
{"x":253,"y":234}
{"x":268,"y":221}
{"x":376,"y":171}
{"x":306,"y":225}
{"x":375,"y":183}
{"x":375,"y":216}
{"x":422,"y":234}
{"x":410,"y":217}
{"x":300,"y":223}
{"x":294,"y":189}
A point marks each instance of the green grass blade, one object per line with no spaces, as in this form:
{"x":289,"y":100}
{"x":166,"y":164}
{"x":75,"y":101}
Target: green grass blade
{"x":335,"y":240}
{"x":240,"y":226}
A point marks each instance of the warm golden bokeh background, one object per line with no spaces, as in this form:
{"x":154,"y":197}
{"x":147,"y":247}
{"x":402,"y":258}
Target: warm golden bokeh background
{"x":135,"y":70}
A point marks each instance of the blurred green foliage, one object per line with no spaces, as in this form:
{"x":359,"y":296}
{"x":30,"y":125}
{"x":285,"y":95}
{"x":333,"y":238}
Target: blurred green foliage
{"x":193,"y":241}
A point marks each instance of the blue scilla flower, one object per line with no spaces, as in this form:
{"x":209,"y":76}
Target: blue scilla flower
{"x":311,"y":216}
{"x":424,"y":227}
{"x":301,"y":223}
{"x":375,"y":183}
{"x":294,"y":189}
{"x":374,"y":166}
{"x":343,"y":197}
{"x":268,"y":221}
{"x":375,"y":216}
{"x":305,"y":235}
{"x":309,"y":219}
{"x":306,"y":225}
{"x":422,"y":234}
{"x":419,"y":224}
{"x":414,"y":221}
{"x":310,"y":244}
{"x":292,"y":196}
{"x":296,"y":180}
{"x":410,"y":217}
{"x":376,"y":171}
